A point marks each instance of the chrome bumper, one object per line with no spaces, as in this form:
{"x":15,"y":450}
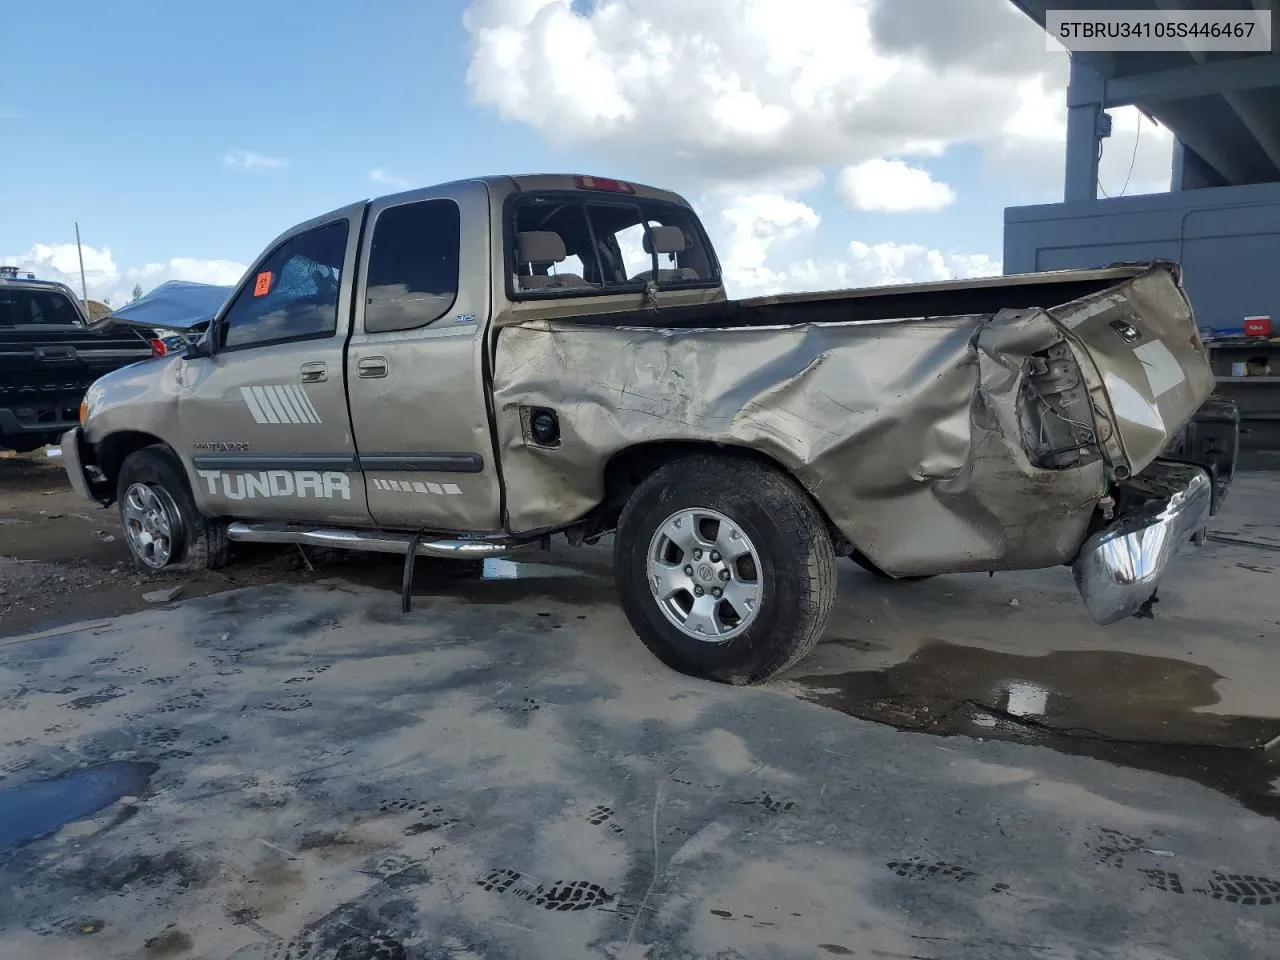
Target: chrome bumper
{"x":71,"y":461}
{"x":1119,"y":568}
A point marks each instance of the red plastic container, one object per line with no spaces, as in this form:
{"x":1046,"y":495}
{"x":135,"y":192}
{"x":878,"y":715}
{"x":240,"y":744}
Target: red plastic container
{"x":1257,"y":326}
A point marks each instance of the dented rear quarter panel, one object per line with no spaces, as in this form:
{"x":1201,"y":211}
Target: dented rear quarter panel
{"x":905,"y":432}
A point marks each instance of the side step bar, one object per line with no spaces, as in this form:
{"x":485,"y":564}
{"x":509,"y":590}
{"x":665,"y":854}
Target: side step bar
{"x":375,"y":541}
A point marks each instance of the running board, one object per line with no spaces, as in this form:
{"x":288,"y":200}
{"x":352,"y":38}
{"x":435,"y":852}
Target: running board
{"x":375,"y":541}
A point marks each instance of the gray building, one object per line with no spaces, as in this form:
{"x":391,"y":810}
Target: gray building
{"x":1221,"y":217}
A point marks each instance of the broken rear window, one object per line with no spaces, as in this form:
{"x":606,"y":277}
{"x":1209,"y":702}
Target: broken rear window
{"x":567,"y":244}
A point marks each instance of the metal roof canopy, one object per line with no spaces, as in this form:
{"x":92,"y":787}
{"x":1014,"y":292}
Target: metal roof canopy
{"x":1224,"y":108}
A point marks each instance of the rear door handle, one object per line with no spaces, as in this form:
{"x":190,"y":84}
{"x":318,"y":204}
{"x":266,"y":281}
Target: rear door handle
{"x":314,"y":372}
{"x":371,"y":367}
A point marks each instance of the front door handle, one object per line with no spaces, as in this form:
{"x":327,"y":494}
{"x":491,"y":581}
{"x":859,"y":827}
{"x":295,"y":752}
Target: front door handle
{"x":371,"y":367}
{"x":314,"y":372}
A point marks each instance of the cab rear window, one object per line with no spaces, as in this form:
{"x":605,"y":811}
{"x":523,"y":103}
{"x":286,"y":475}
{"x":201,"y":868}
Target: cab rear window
{"x":568,"y":244}
{"x":19,"y":307}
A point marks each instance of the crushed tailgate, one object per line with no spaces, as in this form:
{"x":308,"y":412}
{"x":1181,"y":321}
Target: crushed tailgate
{"x":1147,"y":371}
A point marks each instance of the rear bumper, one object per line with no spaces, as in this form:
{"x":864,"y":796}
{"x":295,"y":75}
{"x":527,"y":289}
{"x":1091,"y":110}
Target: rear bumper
{"x":1119,"y":568}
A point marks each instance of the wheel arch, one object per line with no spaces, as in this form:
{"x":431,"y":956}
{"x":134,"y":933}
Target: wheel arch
{"x":112,"y":450}
{"x":631,"y":466}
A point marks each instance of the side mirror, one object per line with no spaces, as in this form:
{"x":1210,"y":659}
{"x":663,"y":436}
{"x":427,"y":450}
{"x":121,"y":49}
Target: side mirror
{"x":198,"y":348}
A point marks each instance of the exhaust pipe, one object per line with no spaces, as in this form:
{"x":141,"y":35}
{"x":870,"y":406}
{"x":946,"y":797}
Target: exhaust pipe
{"x":375,"y":541}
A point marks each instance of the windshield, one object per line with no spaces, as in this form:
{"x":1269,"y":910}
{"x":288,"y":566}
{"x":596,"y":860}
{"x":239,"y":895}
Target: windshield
{"x":21,"y":306}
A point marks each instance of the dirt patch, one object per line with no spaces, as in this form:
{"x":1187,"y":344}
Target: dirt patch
{"x":63,"y":559}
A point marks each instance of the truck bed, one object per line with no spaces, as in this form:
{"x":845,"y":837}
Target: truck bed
{"x":985,"y":295}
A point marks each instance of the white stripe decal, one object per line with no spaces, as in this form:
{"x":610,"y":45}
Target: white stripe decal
{"x":417,"y":486}
{"x":277,"y":401}
{"x":285,"y":403}
{"x":311,"y":407}
{"x":299,"y":398}
{"x":291,"y":404}
{"x":264,"y":401}
{"x":251,"y":402}
{"x":281,"y":401}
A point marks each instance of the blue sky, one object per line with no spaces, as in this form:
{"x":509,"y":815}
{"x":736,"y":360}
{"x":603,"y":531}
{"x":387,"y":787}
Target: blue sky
{"x":125,"y":117}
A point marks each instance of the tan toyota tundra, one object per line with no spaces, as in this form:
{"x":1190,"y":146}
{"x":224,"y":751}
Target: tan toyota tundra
{"x":464,"y":370}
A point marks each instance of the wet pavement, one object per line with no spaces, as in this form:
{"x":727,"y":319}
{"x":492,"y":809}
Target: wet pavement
{"x":303,"y":772}
{"x":39,"y":807}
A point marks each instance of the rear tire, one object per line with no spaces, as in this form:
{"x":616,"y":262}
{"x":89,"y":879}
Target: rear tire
{"x":161,"y":524}
{"x":740,"y":533}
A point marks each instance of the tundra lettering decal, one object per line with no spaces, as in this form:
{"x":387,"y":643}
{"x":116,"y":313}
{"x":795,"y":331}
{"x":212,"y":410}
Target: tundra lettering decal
{"x":278,"y":483}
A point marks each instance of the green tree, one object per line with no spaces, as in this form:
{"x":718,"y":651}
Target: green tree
{"x":137,"y":291}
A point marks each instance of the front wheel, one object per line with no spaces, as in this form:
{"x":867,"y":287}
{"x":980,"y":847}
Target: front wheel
{"x":725,"y":568}
{"x":161,"y":524}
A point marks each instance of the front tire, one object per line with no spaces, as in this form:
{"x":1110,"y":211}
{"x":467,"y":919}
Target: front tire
{"x":162,"y":526}
{"x":725,"y":568}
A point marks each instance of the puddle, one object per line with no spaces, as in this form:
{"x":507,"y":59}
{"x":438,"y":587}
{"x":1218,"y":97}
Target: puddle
{"x":38,"y":807}
{"x":1138,"y":711}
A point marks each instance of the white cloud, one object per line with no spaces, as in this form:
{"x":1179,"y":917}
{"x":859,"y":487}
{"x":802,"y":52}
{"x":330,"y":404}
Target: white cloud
{"x":891,"y":186}
{"x":727,"y":91}
{"x":106,"y":280}
{"x":733,"y":91}
{"x":248,"y":160}
{"x":754,"y":232}
{"x":381,"y":177}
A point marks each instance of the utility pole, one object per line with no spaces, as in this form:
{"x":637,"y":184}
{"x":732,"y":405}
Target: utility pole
{"x":84,"y":287}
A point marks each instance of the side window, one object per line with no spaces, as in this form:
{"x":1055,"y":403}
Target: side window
{"x":413,"y":266}
{"x":293,"y":295}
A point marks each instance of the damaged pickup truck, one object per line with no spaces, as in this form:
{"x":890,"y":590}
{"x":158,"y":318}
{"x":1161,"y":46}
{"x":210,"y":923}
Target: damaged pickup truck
{"x":464,"y":370}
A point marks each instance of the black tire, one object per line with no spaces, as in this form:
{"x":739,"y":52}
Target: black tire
{"x":198,"y":543}
{"x":796,"y":576}
{"x":867,"y":564}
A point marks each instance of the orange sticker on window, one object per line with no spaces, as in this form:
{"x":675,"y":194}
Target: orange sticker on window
{"x":263,"y":286}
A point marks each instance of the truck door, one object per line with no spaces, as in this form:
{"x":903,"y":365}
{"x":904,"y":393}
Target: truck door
{"x":415,"y":364}
{"x":264,"y":419}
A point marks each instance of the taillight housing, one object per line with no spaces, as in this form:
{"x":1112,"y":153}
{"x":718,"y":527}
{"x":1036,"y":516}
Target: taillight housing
{"x":158,"y":348}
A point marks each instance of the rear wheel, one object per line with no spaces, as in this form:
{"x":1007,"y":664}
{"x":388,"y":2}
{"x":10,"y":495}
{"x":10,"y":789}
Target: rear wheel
{"x":725,"y":568}
{"x":162,"y":526}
